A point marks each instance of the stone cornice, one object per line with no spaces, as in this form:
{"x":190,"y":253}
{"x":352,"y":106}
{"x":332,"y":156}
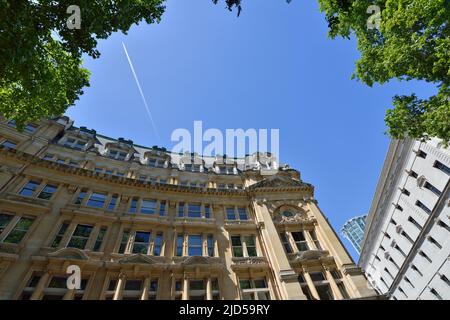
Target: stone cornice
{"x":251,"y":191}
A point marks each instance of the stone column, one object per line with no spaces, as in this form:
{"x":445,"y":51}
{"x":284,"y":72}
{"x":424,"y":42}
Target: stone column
{"x":336,"y":292}
{"x":285,"y":276}
{"x":69,"y":295}
{"x":119,"y":287}
{"x":146,"y":288}
{"x":209,"y":288}
{"x":37,"y":293}
{"x":185,"y":288}
{"x":311,"y":286}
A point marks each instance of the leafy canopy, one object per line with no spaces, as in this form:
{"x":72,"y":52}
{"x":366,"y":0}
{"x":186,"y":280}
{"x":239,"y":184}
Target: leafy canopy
{"x":412,"y":42}
{"x":40,"y":57}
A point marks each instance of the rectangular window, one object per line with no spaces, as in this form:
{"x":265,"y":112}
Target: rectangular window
{"x":423,"y":207}
{"x":242,"y":213}
{"x":210,"y":244}
{"x":47,"y":192}
{"x":250,"y":245}
{"x":29,"y":188}
{"x":30,"y":128}
{"x":414,"y":222}
{"x":157,"y":245}
{"x":181,"y":209}
{"x":153,"y":290}
{"x":442,"y":167}
{"x":81,"y":196}
{"x":97,"y":200}
{"x":133,"y":205}
{"x":48,"y":157}
{"x":230,"y":213}
{"x":194,"y":210}
{"x":316,"y":241}
{"x":162,"y":208}
{"x":207,"y":211}
{"x":286,"y":243}
{"x":236,"y":245}
{"x":432,"y":188}
{"x":141,"y":242}
{"x":300,"y":241}
{"x":195,"y":245}
{"x":99,"y":240}
{"x":124,"y":241}
{"x":435,"y":294}
{"x":9,"y":144}
{"x":254,"y":289}
{"x":80,"y":236}
{"x":60,"y":235}
{"x":113,"y":202}
{"x":5,"y":219}
{"x":180,"y":242}
{"x":148,"y":206}
{"x":19,"y":231}
{"x":121,"y":156}
{"x":324,"y":291}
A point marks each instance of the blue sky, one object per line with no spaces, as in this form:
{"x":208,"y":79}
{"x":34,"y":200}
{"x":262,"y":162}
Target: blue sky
{"x":273,"y":67}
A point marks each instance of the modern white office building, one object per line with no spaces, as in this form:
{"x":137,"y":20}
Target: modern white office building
{"x":406,"y":247}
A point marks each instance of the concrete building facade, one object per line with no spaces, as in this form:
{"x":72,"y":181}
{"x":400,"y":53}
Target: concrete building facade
{"x":406,"y":247}
{"x":353,"y":231}
{"x":142,"y":223}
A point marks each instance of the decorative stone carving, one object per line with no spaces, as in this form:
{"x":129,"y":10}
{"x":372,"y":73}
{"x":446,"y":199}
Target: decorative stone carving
{"x":309,"y":255}
{"x":69,"y":253}
{"x":249,"y":260}
{"x":141,"y":259}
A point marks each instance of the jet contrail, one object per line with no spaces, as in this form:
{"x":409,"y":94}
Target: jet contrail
{"x":142,"y":94}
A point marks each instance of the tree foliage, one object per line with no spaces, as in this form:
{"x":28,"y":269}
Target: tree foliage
{"x":41,"y":72}
{"x":412,"y":42}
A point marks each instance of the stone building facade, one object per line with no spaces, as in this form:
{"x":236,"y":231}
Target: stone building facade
{"x":142,"y":223}
{"x":406,"y":248}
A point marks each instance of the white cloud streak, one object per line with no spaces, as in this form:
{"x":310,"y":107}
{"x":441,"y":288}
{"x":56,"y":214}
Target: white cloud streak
{"x":142,"y":94}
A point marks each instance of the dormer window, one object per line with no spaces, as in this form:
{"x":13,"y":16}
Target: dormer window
{"x":117,"y":155}
{"x":156,"y":163}
{"x":29,"y":128}
{"x":192,"y":167}
{"x":226,"y":170}
{"x":75,"y":143}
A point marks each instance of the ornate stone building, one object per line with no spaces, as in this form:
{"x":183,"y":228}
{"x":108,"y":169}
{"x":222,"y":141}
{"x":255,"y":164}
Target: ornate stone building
{"x":142,"y":223}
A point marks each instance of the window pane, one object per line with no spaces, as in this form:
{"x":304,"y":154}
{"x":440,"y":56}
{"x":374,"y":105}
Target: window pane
{"x":157,"y":244}
{"x":230,"y":213}
{"x":196,"y":285}
{"x":47,"y":192}
{"x":29,"y":188}
{"x":242,"y":214}
{"x":180,"y":240}
{"x":19,"y":231}
{"x":148,"y":206}
{"x":97,"y":200}
{"x":194,"y":210}
{"x":245,"y":284}
{"x":195,"y":245}
{"x":4,"y":220}
{"x":60,"y":235}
